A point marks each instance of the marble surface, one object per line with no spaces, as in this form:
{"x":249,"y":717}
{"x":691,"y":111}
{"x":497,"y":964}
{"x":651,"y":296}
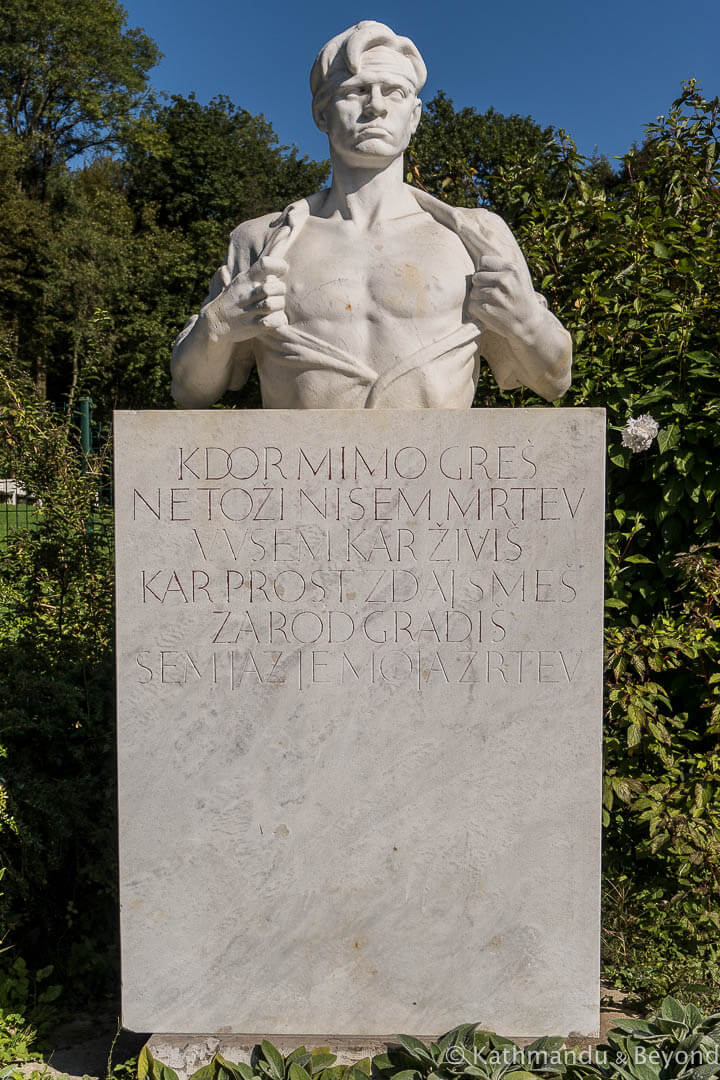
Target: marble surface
{"x":372,"y":293}
{"x":360,"y":681}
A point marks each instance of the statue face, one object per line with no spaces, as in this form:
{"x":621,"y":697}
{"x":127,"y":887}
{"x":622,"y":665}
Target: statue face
{"x":372,"y":115}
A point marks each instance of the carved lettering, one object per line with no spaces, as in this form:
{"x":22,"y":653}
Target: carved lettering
{"x":374,"y":565}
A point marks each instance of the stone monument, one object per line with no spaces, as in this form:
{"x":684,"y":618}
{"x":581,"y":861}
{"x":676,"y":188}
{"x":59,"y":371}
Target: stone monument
{"x":360,"y":652}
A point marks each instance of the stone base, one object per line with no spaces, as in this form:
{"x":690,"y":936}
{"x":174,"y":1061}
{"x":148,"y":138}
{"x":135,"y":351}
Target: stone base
{"x":188,"y":1053}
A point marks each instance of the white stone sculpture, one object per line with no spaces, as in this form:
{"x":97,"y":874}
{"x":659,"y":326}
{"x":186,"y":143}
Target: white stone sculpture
{"x":371,"y":293}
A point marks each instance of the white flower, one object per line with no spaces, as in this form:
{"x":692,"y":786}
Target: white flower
{"x":639,"y":432}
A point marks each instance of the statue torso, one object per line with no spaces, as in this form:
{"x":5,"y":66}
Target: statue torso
{"x":375,"y":298}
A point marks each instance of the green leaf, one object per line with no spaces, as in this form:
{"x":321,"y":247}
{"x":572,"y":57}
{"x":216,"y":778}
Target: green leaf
{"x":228,"y":1070}
{"x":462,"y":1035}
{"x":335,"y":1072}
{"x":145,"y":1060}
{"x":415,"y":1048}
{"x":499,"y":1042}
{"x":634,"y":735}
{"x":693,"y":1016}
{"x":206,"y":1072}
{"x":274,"y":1059}
{"x":703,"y":1072}
{"x":300,"y":1054}
{"x":668,"y":437}
{"x":546,"y":1045}
{"x":631,"y":1026}
{"x":297,"y":1072}
{"x":321,"y":1061}
{"x":149,"y":1068}
{"x":671,"y":1009}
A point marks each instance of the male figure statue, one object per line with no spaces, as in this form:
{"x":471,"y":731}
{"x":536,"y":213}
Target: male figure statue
{"x":370,"y":294}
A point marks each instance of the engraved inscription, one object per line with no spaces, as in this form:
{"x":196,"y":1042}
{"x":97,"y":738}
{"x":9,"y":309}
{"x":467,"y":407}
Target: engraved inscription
{"x":404,"y":565}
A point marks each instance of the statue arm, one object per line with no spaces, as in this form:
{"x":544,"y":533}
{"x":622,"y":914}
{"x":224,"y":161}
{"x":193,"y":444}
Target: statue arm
{"x":523,"y":342}
{"x":214,"y":351}
{"x":204,"y":360}
{"x":541,"y":361}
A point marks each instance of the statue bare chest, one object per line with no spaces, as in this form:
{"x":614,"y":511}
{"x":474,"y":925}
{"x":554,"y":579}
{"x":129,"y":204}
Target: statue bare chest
{"x":408,"y":269}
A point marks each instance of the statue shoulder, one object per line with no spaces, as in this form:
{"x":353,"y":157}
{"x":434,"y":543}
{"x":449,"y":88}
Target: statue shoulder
{"x":473,"y":224}
{"x":249,"y":238}
{"x":485,"y":220}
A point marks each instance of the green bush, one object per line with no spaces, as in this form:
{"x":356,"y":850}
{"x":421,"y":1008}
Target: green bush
{"x":56,"y":704}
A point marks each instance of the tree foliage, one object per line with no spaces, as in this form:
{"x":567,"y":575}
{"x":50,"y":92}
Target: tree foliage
{"x":460,"y":155}
{"x":71,"y":76}
{"x":98,"y":276}
{"x":213,"y":164}
{"x":189,"y":181}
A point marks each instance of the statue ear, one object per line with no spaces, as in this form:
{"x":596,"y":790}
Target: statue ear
{"x":319,"y":118}
{"x":417,"y":113}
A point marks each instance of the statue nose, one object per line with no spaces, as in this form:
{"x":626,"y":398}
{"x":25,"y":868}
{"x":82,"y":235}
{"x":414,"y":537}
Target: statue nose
{"x":376,"y":102}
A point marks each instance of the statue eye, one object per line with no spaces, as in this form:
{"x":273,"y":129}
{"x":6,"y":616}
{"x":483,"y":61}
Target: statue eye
{"x":351,"y":91}
{"x":396,"y":93}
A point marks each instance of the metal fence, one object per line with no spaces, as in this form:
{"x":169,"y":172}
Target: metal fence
{"x":18,"y":507}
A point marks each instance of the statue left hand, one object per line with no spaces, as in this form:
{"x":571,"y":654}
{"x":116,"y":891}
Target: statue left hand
{"x":502,"y":298}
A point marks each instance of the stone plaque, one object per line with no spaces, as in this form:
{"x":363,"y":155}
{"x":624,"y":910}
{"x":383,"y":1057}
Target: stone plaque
{"x":360,"y":682}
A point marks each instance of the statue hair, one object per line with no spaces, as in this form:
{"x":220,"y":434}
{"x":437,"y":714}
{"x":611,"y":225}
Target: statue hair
{"x":342,"y":56}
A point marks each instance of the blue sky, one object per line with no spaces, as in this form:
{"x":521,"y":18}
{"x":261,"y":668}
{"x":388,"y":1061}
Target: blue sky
{"x":600,"y":71}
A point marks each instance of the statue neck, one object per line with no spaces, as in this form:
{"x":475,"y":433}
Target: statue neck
{"x":368,"y":196}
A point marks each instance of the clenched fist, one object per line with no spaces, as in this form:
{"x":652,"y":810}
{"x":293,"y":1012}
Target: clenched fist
{"x":254,"y":298}
{"x":502,"y":298}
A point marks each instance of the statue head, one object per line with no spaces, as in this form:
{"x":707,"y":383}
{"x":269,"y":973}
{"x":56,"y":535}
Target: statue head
{"x":368,"y":46}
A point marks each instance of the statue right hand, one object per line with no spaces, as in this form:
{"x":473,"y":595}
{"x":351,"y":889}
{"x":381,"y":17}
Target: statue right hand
{"x":253,"y":299}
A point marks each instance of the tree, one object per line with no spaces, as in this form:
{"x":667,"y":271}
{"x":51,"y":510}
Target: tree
{"x":214,"y":165}
{"x":457,"y":155}
{"x":89,"y":264}
{"x":190,"y":179}
{"x":63,"y":260}
{"x":27,"y":223}
{"x":99,"y":273}
{"x":71,"y":76}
